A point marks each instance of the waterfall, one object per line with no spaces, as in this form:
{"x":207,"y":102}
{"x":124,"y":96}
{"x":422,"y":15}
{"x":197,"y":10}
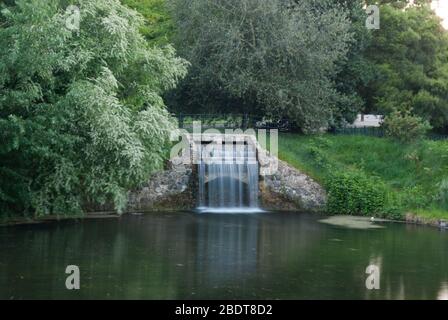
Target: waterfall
{"x":228,"y":178}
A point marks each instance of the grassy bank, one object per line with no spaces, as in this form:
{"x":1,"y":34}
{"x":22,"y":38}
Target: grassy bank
{"x":374,"y":176}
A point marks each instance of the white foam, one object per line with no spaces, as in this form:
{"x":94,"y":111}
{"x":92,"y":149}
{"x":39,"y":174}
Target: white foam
{"x":234,"y":210}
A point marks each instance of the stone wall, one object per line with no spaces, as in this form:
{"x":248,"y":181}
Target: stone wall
{"x":172,"y":189}
{"x":176,"y":189}
{"x":289,"y":189}
{"x":282,"y":187}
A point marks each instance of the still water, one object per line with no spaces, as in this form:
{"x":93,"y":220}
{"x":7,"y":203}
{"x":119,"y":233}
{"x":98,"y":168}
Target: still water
{"x":210,"y":256}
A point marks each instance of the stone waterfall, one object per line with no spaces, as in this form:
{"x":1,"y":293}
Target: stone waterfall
{"x":226,"y":185}
{"x":228,"y":178}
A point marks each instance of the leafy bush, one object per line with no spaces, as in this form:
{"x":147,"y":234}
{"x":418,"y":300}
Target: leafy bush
{"x":415,"y":197}
{"x":354,"y":193}
{"x":316,"y":151}
{"x":405,"y":127}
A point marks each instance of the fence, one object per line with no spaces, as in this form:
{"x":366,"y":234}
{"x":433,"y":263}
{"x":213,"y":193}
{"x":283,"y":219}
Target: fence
{"x":437,"y":137}
{"x":380,"y":132}
{"x":364,"y":131}
{"x":246,"y":121}
{"x":231,"y":121}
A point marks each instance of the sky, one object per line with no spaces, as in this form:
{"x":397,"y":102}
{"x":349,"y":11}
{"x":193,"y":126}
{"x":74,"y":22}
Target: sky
{"x":441,"y":7}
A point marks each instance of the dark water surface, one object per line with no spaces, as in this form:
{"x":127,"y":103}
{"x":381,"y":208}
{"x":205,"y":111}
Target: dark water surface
{"x":207,"y":256}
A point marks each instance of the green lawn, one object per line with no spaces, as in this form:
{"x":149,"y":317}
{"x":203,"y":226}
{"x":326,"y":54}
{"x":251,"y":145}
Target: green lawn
{"x":412,"y":174}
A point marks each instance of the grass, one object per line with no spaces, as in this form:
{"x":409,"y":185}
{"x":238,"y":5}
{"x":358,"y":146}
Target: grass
{"x":412,"y":173}
{"x":432,"y":213}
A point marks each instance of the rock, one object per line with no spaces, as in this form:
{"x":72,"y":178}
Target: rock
{"x":176,"y":188}
{"x":413,"y":218}
{"x":289,"y":184}
{"x":171,"y":189}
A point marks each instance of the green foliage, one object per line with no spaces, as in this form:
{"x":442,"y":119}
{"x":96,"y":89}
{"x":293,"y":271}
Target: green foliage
{"x":158,"y":28}
{"x":81,"y":113}
{"x":410,"y":54}
{"x":316,"y":150}
{"x":415,"y":197}
{"x":357,"y":71}
{"x":354,"y":193}
{"x":320,"y":72}
{"x":442,"y":195}
{"x":410,"y":172}
{"x":272,"y":57}
{"x":405,"y":127}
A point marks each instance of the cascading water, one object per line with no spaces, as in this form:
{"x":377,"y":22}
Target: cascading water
{"x":228,"y":178}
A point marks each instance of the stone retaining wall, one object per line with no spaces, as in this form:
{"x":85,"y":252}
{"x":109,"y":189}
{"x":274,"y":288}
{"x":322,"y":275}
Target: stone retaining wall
{"x":172,"y":189}
{"x":176,"y":189}
{"x":290,"y":189}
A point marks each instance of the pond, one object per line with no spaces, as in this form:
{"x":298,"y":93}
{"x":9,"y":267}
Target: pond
{"x":222,"y":256}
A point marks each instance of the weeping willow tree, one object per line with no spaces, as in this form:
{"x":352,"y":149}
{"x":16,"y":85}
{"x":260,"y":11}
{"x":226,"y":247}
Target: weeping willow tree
{"x":81,"y":114}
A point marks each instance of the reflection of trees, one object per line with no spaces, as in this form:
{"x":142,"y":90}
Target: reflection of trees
{"x":297,"y":258}
{"x":118,"y":259}
{"x":221,"y":256}
{"x":413,"y":263}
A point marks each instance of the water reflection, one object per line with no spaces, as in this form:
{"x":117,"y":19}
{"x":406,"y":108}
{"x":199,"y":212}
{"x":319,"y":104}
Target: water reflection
{"x":443,"y":292}
{"x":226,"y":249}
{"x":186,"y":255}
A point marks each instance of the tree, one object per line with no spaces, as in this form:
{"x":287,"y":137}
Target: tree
{"x":356,"y":72}
{"x":404,"y":127}
{"x":410,"y":53}
{"x":81,"y":113}
{"x":275,"y":58}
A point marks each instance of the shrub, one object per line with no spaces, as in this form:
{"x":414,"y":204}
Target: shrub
{"x":405,"y":127}
{"x":355,"y":193}
{"x":316,"y":151}
{"x":416,"y":197}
